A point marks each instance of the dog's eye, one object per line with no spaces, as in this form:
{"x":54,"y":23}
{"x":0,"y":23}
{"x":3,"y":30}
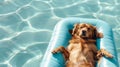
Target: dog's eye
{"x":88,"y":28}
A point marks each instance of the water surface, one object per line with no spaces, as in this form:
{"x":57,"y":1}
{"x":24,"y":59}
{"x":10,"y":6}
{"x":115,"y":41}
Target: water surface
{"x":26,"y":26}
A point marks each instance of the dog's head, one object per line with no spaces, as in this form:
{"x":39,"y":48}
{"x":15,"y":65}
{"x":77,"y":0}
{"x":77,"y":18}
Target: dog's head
{"x":86,"y":31}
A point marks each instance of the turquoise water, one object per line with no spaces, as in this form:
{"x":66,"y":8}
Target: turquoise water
{"x":26,"y":26}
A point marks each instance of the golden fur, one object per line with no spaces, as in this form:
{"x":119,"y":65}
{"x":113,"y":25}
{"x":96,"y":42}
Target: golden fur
{"x":82,"y":50}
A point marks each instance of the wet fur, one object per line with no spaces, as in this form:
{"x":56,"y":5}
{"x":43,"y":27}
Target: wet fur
{"x":82,"y":50}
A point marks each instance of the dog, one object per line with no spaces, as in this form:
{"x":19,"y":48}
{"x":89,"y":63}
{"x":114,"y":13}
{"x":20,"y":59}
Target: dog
{"x":82,"y":50}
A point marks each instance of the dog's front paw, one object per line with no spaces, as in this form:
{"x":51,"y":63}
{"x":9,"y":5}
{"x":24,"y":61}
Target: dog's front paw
{"x":107,"y":54}
{"x":103,"y":52}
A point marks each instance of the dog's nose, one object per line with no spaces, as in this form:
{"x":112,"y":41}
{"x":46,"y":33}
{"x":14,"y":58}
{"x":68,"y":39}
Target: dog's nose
{"x":83,"y":32}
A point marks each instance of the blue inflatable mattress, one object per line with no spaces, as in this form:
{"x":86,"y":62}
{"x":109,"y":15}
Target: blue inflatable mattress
{"x":61,"y":36}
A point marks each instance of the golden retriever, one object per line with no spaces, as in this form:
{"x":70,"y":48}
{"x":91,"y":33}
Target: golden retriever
{"x":82,"y":50}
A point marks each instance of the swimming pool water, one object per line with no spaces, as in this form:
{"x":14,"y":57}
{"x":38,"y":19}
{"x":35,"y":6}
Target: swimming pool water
{"x":26,"y":26}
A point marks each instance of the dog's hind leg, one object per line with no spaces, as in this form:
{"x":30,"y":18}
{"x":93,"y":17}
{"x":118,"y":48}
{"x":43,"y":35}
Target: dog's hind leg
{"x":63,"y":50}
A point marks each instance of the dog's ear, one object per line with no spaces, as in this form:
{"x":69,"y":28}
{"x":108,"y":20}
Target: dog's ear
{"x":99,"y":35}
{"x":75,"y":28}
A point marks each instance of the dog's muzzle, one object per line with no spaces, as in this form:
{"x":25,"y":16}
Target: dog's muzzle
{"x":83,"y":33}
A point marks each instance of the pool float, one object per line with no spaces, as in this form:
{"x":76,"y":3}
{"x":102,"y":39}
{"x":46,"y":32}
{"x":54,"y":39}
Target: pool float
{"x":61,"y":36}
